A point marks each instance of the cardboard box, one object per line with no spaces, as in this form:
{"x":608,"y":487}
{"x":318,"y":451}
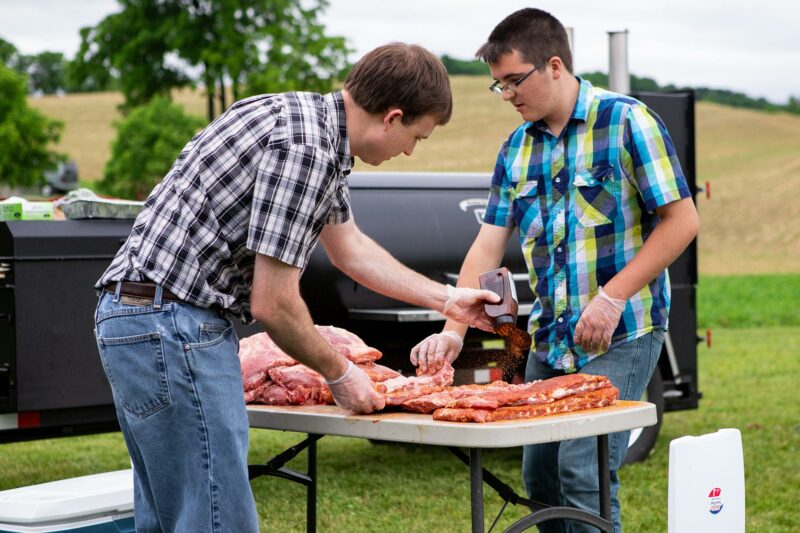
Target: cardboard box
{"x":11,"y":211}
{"x":37,"y":211}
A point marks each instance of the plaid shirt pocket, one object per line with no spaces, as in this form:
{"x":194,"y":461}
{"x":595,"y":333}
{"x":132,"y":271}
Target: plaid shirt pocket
{"x":527,"y":210}
{"x":595,"y":204}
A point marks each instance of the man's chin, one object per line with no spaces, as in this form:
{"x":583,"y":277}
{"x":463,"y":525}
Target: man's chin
{"x":373,"y":163}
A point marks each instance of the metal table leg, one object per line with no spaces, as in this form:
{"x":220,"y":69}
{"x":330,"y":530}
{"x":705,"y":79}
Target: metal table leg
{"x":476,"y":489}
{"x":604,"y":477}
{"x":311,"y":490}
{"x":275,"y":467}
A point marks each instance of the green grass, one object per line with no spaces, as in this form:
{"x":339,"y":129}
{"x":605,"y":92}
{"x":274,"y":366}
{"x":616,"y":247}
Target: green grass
{"x":749,"y":301}
{"x":747,"y":379}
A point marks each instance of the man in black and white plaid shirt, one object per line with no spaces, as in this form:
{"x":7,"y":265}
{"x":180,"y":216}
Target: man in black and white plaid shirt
{"x":227,"y":233}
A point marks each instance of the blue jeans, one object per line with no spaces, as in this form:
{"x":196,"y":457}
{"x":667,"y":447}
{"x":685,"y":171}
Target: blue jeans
{"x":177,"y":386}
{"x":565,"y":473}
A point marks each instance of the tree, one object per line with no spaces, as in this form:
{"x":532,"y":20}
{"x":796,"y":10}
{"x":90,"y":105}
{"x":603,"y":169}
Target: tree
{"x":148,"y":141}
{"x":46,"y":72}
{"x":254,"y":45}
{"x":24,"y":135}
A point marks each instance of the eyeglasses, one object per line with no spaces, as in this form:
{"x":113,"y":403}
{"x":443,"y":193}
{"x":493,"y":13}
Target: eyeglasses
{"x":509,"y":87}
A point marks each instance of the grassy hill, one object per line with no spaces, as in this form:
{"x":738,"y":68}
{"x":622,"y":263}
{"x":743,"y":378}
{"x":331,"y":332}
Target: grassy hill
{"x":751,"y":159}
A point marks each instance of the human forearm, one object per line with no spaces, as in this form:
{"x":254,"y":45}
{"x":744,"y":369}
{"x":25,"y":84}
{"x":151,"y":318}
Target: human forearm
{"x":375,"y":268}
{"x":289,"y":324}
{"x":676,"y":229}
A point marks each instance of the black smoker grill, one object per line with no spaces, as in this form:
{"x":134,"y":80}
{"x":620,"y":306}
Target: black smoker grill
{"x":51,"y":380}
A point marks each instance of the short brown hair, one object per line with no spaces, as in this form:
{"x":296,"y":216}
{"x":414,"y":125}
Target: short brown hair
{"x":535,"y":34}
{"x":405,"y":76}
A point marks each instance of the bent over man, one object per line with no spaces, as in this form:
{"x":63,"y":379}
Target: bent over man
{"x":227,"y":233}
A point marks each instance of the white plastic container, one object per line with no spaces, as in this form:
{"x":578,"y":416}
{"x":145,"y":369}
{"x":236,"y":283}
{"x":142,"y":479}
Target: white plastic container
{"x":706,"y":484}
{"x":98,"y":504}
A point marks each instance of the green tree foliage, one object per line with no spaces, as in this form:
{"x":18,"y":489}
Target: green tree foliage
{"x":46,"y":72}
{"x":148,"y":141}
{"x":719,"y":96}
{"x":152,"y":46}
{"x":473,"y":67}
{"x":24,"y":135}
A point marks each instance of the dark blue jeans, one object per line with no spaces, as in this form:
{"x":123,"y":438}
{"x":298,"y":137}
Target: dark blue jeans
{"x":177,"y":386}
{"x":565,"y":473}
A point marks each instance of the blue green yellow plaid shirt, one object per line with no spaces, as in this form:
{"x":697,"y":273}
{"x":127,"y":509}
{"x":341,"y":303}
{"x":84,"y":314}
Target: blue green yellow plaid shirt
{"x":584,"y":204}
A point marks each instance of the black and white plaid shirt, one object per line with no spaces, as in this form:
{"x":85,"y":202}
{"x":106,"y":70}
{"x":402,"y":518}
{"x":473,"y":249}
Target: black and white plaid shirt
{"x":264,"y":177}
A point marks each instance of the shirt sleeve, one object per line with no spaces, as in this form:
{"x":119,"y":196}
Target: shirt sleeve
{"x":340,"y":205}
{"x":657,"y":173}
{"x":292,"y":199}
{"x":498,"y":207}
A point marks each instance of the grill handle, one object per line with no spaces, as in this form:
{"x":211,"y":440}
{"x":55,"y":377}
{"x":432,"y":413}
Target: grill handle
{"x":411,"y":314}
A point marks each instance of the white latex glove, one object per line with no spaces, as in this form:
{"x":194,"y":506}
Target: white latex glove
{"x":355,"y":392}
{"x":465,"y":305}
{"x":431,"y":353}
{"x":598,"y":322}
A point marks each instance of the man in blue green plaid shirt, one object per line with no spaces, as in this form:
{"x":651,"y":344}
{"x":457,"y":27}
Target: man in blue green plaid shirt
{"x":592,"y":181}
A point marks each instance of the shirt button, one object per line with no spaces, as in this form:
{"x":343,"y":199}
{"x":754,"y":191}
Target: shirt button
{"x":558,"y":180}
{"x":561,"y":319}
{"x":558,"y":249}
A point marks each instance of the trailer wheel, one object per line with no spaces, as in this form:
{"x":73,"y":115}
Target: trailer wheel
{"x":642,"y":440}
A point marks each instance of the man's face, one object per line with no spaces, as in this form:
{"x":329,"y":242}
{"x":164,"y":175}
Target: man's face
{"x":533,"y":98}
{"x":391,"y":137}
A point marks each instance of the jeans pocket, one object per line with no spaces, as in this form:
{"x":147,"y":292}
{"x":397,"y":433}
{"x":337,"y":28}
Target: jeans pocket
{"x":210,"y":334}
{"x":137,"y":372}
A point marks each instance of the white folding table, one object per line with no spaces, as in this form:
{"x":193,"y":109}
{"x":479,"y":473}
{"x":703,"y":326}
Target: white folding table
{"x":320,"y":420}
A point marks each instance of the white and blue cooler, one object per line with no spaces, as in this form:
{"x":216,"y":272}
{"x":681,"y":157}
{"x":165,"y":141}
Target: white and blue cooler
{"x":100,"y":503}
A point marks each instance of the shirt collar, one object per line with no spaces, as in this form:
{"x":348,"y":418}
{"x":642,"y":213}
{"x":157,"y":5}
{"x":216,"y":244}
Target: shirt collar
{"x":335,"y":103}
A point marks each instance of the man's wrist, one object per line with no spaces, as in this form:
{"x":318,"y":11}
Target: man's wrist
{"x":341,"y":376}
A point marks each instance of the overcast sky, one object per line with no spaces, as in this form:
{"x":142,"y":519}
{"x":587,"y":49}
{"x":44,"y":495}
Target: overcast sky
{"x":748,"y":46}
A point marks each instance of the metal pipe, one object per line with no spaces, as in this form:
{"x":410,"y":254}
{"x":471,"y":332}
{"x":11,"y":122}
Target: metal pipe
{"x":571,"y":38}
{"x":619,"y":80}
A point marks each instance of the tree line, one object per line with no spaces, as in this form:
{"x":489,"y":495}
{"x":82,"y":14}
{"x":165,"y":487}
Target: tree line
{"x":644,"y":84}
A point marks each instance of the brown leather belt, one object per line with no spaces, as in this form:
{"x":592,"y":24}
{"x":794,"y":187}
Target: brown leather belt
{"x":140,"y":289}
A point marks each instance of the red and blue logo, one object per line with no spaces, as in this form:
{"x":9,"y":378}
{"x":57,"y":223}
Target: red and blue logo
{"x":715,"y":500}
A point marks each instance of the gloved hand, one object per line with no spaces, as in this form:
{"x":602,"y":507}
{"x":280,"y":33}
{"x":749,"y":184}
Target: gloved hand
{"x":431,"y":353}
{"x":355,"y":392}
{"x":465,"y":305}
{"x":598,"y":322}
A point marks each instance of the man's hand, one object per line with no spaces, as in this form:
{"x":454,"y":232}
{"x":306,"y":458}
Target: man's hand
{"x":354,"y":391}
{"x":465,"y":305}
{"x":598,"y":322}
{"x":431,"y":353}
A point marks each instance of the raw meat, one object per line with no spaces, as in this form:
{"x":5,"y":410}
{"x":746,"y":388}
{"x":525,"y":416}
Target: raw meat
{"x":445,"y":398}
{"x":401,"y":389}
{"x":349,"y":344}
{"x":303,"y":385}
{"x":597,"y":398}
{"x":258,"y":355}
{"x":378,"y":373}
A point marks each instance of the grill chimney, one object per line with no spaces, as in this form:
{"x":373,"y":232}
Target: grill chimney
{"x":618,"y":78}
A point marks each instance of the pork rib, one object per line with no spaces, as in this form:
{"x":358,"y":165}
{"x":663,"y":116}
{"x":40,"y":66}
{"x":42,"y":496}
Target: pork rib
{"x":401,"y":389}
{"x":597,"y":398}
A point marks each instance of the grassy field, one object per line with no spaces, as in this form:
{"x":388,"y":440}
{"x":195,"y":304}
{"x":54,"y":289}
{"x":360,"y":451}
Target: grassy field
{"x":747,"y":379}
{"x":750,"y":158}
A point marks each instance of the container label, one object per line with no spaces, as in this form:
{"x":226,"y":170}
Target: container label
{"x":715,"y":500}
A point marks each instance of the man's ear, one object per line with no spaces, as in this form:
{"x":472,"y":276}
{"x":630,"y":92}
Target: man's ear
{"x":392,"y":115}
{"x":557,"y":67}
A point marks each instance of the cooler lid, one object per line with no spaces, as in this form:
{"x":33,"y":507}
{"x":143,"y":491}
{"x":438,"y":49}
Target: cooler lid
{"x":68,"y":499}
